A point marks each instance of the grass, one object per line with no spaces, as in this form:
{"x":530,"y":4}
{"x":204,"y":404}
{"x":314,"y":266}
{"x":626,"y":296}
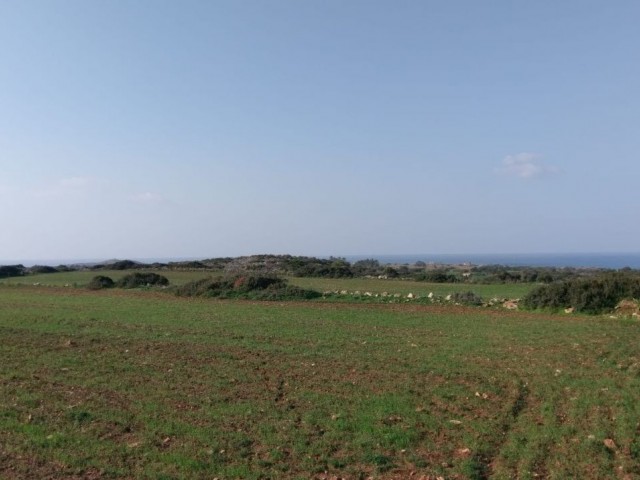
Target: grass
{"x":140,"y":384}
{"x":373,"y":285}
{"x":82,"y":278}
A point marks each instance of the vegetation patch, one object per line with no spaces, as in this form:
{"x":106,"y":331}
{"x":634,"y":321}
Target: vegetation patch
{"x":588,"y":295}
{"x":7,"y":271}
{"x":138,"y":279}
{"x":467,"y":298}
{"x":255,"y":287}
{"x":99,"y":282}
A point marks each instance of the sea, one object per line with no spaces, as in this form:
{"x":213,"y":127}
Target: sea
{"x":584,"y":260}
{"x":577,"y":260}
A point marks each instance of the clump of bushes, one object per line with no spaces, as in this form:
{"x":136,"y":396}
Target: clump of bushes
{"x":37,"y":269}
{"x":591,"y":295}
{"x":138,"y":279}
{"x":7,"y":271}
{"x":466,"y":298}
{"x":99,"y":282}
{"x":123,"y":265}
{"x":255,"y":287}
{"x":436,"y":276}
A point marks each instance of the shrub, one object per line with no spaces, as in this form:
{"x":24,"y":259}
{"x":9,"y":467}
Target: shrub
{"x":99,"y":282}
{"x":436,"y":276}
{"x":11,"y":271}
{"x":466,"y":298}
{"x":390,"y":272}
{"x":137,"y":279}
{"x":369,"y":266}
{"x":592,"y":295}
{"x":254,"y":287}
{"x":42,"y":269}
{"x":123,"y":265}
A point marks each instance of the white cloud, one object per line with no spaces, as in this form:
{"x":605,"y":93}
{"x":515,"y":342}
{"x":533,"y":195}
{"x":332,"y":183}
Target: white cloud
{"x":147,"y":197}
{"x":525,"y":165}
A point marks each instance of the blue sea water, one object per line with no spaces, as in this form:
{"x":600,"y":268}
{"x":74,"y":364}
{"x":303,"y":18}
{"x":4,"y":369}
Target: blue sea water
{"x":588,"y":260}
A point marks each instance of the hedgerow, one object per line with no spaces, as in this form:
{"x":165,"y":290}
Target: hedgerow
{"x":590,"y":295}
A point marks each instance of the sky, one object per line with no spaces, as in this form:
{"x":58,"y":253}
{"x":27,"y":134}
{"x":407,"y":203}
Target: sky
{"x":199,"y":129}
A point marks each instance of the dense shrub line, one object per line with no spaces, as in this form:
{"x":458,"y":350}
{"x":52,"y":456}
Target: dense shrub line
{"x":587,"y":295}
{"x":132,"y":280}
{"x":254,"y":287}
{"x":336,"y":267}
{"x":138,"y":279}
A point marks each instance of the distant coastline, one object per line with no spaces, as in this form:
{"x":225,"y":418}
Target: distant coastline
{"x":576,"y":260}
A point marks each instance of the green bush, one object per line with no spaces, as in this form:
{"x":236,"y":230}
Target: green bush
{"x":7,"y":271}
{"x":37,"y":269}
{"x":466,"y":298}
{"x":134,"y":280}
{"x":99,"y":282}
{"x":255,"y":287}
{"x":592,"y":295}
{"x":436,"y":276}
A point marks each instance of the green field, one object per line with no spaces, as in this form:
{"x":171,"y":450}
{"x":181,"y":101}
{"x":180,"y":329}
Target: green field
{"x":405,"y":287}
{"x":373,"y":285}
{"x":142,"y":384}
{"x":83,"y":277}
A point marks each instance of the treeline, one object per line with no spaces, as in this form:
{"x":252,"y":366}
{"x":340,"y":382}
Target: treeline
{"x":334,"y":267}
{"x":254,"y":287}
{"x":7,"y":271}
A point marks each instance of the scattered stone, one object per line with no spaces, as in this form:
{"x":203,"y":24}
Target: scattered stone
{"x":610,"y":444}
{"x":510,"y":304}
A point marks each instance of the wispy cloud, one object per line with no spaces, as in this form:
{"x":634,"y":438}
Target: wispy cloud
{"x":525,"y":165}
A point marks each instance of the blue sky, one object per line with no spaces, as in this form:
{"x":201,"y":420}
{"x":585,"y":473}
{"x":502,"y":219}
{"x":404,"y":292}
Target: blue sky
{"x":153,"y":129}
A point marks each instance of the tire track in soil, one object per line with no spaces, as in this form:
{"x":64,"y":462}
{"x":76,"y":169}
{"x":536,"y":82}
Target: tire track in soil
{"x":484,"y":460}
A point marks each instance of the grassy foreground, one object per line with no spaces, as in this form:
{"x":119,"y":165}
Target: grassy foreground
{"x":134,"y":384}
